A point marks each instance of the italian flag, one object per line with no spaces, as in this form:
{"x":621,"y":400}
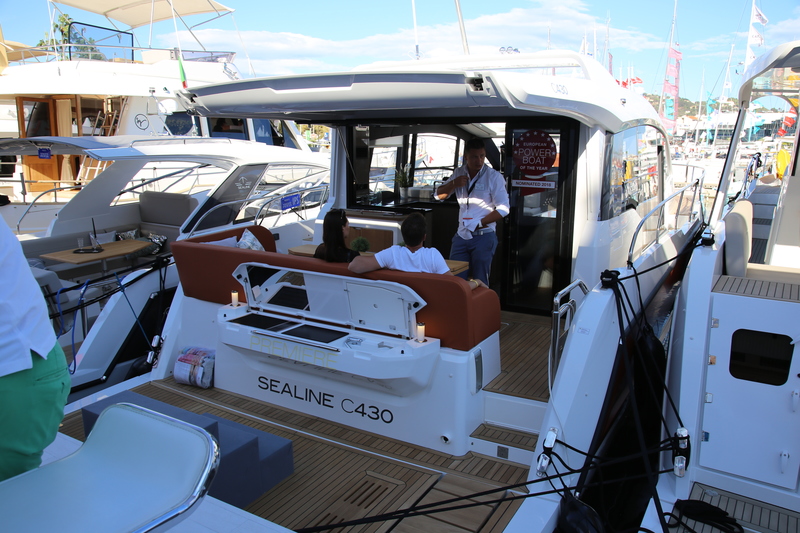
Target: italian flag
{"x":183,"y":73}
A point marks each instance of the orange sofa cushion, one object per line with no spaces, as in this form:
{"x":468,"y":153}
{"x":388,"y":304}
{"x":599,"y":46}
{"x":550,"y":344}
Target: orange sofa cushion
{"x":458,"y":316}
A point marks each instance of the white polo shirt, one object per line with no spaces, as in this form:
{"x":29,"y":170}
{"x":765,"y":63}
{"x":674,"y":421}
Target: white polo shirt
{"x":24,"y":321}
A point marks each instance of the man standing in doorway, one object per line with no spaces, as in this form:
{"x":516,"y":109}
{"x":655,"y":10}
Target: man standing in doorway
{"x":482,"y":202}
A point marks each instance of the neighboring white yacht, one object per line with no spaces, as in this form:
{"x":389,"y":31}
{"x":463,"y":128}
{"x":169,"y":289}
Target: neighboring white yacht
{"x":418,"y":403}
{"x":151,"y":185}
{"x":100,"y":82}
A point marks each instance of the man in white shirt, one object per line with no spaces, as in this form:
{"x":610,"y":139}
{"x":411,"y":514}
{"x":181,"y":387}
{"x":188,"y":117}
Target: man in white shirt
{"x":413,"y":257}
{"x":482,"y":202}
{"x":34,"y":380}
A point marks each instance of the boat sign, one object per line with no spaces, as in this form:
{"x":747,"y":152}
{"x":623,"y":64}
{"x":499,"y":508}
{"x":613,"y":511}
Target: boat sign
{"x":44,"y":153}
{"x":291,"y":201}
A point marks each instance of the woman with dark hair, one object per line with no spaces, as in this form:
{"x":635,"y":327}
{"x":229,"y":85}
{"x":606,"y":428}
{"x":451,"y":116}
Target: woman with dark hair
{"x":335,"y":229}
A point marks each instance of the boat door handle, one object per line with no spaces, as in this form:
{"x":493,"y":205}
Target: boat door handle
{"x":784,"y":461}
{"x":795,"y":400}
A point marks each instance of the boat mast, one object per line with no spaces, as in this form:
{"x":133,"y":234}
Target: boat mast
{"x":463,"y":31}
{"x":416,"y":36}
{"x":668,"y":102}
{"x":723,"y":96}
{"x":700,"y":101}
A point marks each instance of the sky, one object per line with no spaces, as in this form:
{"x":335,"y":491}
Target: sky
{"x":295,"y":37}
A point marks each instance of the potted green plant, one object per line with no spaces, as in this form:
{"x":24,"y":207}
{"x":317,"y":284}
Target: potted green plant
{"x":403,"y":180}
{"x":360,"y":244}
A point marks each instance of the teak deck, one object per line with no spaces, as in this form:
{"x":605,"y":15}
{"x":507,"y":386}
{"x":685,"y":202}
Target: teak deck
{"x":343,"y":474}
{"x":524,"y":345}
{"x":752,"y":515}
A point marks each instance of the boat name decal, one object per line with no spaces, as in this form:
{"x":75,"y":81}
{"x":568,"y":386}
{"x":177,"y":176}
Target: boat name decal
{"x":324,"y":399}
{"x":295,"y":352}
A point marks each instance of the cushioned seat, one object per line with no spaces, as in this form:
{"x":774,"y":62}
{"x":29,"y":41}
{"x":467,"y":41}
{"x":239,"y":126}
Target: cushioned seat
{"x":137,"y":471}
{"x":738,"y":245}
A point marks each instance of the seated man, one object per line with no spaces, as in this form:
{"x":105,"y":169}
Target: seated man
{"x":412,"y":257}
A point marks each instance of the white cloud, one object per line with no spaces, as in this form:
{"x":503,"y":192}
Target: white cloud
{"x":526,"y":29}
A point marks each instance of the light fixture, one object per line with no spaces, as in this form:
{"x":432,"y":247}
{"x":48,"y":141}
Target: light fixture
{"x":234,"y":298}
{"x":420,"y":332}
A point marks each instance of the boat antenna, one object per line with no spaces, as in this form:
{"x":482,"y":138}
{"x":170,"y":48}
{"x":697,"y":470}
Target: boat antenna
{"x":461,"y":25}
{"x":416,"y":36}
{"x":244,"y":47}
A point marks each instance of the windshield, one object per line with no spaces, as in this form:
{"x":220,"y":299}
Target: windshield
{"x":265,"y":190}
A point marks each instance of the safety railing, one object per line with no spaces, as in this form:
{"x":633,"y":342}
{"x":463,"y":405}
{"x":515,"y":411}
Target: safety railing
{"x":658,"y":215}
{"x":53,"y":191}
{"x":308,"y":199}
{"x":562,"y":316}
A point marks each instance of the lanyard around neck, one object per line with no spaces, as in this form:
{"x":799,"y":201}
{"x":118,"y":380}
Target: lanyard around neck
{"x":474,"y":183}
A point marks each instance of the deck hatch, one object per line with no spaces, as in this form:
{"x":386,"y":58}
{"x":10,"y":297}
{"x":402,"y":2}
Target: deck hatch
{"x":292,"y":297}
{"x":315,"y":333}
{"x":261,"y":322}
{"x":376,"y":305}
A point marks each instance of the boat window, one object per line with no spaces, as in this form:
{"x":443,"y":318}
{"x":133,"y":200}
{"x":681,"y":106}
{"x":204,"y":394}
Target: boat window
{"x":180,"y":123}
{"x":286,"y":188}
{"x":86,"y":41}
{"x":266,"y":132}
{"x":274,"y":189}
{"x":8,"y":164}
{"x":761,"y":356}
{"x":231,"y":128}
{"x":424,"y":156}
{"x":633,"y":171}
{"x":37,"y":113}
{"x":236,"y":188}
{"x":182,"y":177}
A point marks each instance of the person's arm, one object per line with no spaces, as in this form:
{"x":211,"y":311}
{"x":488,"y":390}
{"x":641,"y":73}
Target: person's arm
{"x":475,"y":283}
{"x":447,"y":188}
{"x":364,"y":263}
{"x":500,"y":202}
{"x":494,"y":216}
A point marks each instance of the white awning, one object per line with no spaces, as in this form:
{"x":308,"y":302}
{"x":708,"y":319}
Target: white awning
{"x":137,"y":13}
{"x":19,"y":52}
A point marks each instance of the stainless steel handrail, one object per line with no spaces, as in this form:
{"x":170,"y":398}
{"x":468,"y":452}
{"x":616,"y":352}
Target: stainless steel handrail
{"x":223,"y":204}
{"x":301,"y":207}
{"x":54,"y":189}
{"x":558,"y":332}
{"x":696,"y":185}
{"x":267,"y":198}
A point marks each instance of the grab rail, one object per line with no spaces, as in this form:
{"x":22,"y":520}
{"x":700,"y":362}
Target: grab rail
{"x":296,"y":209}
{"x":268,"y":199}
{"x":750,"y":178}
{"x":48,"y":191}
{"x":696,"y":185}
{"x":558,"y":332}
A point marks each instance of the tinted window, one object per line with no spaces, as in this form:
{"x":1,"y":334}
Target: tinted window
{"x":760,"y":356}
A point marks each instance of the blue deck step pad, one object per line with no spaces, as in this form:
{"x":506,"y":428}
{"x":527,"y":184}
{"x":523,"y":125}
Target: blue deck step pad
{"x":275,"y":454}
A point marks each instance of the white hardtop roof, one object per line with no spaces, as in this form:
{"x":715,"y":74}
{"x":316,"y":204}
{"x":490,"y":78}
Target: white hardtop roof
{"x":472,"y":89}
{"x":218,"y":151}
{"x":777,"y":72}
{"x":137,"y":13}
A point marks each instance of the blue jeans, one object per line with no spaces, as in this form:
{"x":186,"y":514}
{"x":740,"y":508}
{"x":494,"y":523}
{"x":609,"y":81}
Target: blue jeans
{"x":479,"y":251}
